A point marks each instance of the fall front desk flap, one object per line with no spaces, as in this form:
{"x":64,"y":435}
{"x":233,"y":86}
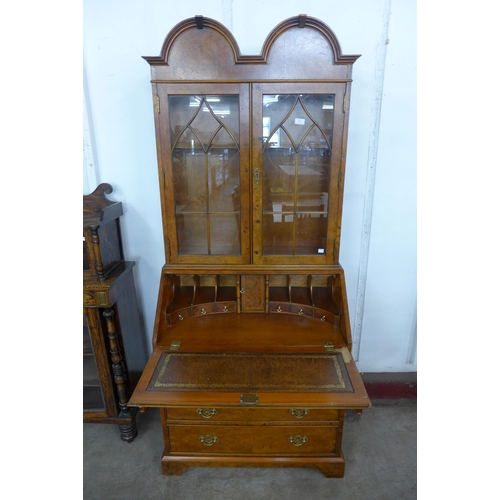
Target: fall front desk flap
{"x":176,"y":378}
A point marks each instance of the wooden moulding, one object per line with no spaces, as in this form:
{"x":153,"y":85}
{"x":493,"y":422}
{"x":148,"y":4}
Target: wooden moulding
{"x":214,"y":53}
{"x":329,"y":466}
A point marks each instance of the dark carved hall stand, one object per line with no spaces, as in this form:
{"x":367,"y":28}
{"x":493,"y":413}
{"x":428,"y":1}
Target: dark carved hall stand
{"x":114,"y":353}
{"x":251,"y":363}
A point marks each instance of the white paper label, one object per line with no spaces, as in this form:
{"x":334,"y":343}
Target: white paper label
{"x":300,"y":121}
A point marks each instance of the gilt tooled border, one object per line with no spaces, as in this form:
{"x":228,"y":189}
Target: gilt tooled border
{"x":269,"y":387}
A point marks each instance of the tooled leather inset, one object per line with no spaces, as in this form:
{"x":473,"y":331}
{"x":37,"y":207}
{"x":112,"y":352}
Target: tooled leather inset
{"x":232,"y":372}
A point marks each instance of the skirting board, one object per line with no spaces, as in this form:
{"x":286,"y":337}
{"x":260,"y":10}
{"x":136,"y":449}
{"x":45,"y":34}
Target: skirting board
{"x":390,"y":387}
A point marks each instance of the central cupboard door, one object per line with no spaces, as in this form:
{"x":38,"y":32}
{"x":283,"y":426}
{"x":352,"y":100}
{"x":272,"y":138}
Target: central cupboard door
{"x":247,"y":172}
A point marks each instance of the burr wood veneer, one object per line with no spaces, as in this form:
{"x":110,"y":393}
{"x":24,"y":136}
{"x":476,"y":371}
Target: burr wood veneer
{"x":251,"y":361}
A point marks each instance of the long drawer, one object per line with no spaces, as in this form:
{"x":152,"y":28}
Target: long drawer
{"x":254,"y":439}
{"x":225,"y":414}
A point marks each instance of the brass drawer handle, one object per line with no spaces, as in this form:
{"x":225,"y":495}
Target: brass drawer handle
{"x":279,"y":309}
{"x":323,"y":318}
{"x":203,"y":311}
{"x":206,"y":412}
{"x":181,"y":317}
{"x":301,"y":312}
{"x":297,"y":440}
{"x":208,"y":439}
{"x":225,"y":309}
{"x":299,"y":413}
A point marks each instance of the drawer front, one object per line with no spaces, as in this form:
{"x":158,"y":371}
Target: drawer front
{"x":278,"y":307}
{"x":224,"y":414}
{"x":203,"y":309}
{"x":224,"y":307}
{"x":326,"y":316}
{"x":253,"y":439}
{"x":301,"y":310}
{"x":179,"y":315}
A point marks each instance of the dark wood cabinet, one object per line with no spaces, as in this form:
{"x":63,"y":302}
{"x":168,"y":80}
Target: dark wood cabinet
{"x":251,"y":363}
{"x":114,"y":351}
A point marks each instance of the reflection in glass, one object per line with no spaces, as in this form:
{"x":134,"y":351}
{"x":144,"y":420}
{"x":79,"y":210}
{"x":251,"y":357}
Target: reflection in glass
{"x":297,"y":131}
{"x":204,"y":133}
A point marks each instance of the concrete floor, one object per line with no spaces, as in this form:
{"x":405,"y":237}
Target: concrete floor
{"x":380,"y":448}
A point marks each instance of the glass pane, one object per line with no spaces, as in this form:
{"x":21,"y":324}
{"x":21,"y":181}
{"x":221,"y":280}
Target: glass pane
{"x":310,"y":234}
{"x":224,"y":234}
{"x":313,"y":173}
{"x":203,"y":116}
{"x":192,"y":234}
{"x":298,"y":131}
{"x":224,"y":180}
{"x":190,"y":181}
{"x":92,"y":394}
{"x":277,"y":234}
{"x":204,"y":132}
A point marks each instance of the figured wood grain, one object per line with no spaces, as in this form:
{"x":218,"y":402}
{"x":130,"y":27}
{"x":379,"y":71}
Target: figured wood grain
{"x":248,"y":302}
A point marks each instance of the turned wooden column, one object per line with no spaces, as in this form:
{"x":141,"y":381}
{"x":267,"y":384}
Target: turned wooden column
{"x":97,"y":251}
{"x":128,"y":431}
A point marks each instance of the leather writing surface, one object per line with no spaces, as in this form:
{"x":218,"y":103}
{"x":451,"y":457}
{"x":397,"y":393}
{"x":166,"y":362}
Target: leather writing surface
{"x":238,"y":372}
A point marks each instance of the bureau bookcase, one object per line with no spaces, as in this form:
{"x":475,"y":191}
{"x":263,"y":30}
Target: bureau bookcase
{"x":251,"y":361}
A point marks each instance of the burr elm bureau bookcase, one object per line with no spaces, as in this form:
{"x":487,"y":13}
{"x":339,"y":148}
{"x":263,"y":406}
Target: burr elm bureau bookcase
{"x":251,"y":361}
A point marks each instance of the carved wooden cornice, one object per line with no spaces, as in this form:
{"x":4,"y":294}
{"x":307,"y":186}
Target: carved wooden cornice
{"x":201,"y":22}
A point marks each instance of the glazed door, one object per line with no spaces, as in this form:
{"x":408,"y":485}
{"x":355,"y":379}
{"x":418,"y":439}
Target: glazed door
{"x":98,"y":393}
{"x":203,"y":150}
{"x":298,"y":150}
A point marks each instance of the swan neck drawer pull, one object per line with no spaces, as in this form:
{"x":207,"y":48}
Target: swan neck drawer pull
{"x":208,"y":439}
{"x":299,"y":413}
{"x":297,"y":440}
{"x":206,"y":412}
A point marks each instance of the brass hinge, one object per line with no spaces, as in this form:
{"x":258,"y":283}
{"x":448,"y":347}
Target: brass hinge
{"x":157,"y":103}
{"x":249,"y":399}
{"x":174,"y":345}
{"x":345,"y":102}
{"x":346,"y":355}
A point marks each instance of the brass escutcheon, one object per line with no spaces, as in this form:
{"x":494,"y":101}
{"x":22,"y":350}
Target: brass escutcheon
{"x":299,"y":413}
{"x":206,"y":412}
{"x":256,"y":174}
{"x":208,"y":439}
{"x":297,"y":440}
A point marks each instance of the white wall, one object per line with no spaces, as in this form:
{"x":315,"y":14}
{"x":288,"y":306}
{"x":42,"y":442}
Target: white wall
{"x":378,"y":248}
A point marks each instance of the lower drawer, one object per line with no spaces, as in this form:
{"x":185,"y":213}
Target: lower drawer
{"x":253,"y":439}
{"x":252,"y":414}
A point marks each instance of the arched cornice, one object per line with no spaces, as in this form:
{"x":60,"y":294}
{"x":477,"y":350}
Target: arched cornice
{"x":198,"y":22}
{"x":304,"y":21}
{"x":201,"y":22}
